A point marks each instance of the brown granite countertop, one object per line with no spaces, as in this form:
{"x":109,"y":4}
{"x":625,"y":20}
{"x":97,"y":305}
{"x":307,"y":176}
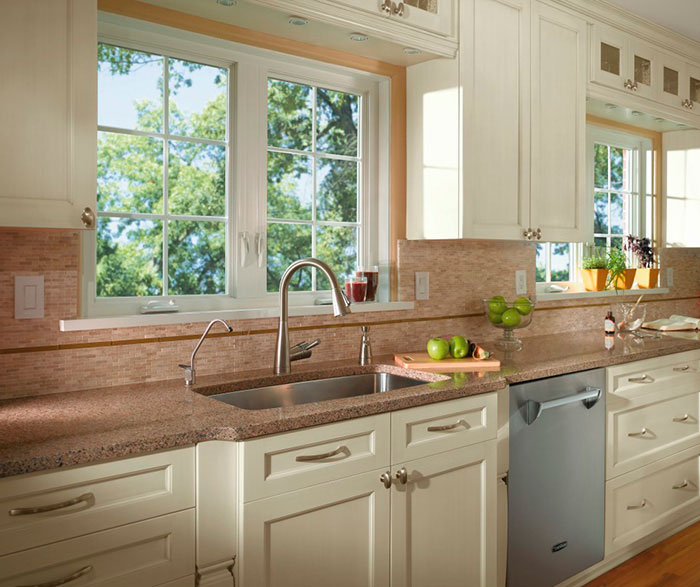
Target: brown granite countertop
{"x":59,"y":430}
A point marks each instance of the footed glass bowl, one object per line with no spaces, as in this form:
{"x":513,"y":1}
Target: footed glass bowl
{"x":509,"y":316}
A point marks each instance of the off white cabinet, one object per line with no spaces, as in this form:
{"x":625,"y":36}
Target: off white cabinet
{"x":48,"y":113}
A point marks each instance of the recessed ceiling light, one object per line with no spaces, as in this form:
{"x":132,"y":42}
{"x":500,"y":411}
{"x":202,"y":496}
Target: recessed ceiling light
{"x":298,"y":20}
{"x":227,"y":2}
{"x":411,"y":51}
{"x":359,"y":37}
{"x":610,"y":106}
{"x":637,"y":113}
{"x":659,"y":119}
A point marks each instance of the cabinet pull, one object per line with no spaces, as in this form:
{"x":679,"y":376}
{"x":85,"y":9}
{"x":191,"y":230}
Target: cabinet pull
{"x":681,"y":369}
{"x":637,"y":434}
{"x":643,"y":379}
{"x":385,"y":6}
{"x":685,"y":418}
{"x":398,"y":9}
{"x":681,"y":485}
{"x":79,"y":573}
{"x":402,"y":476}
{"x":447,"y":427}
{"x":85,"y":497}
{"x":324,"y":455}
{"x":638,"y":506}
{"x":385,"y":478}
{"x":87,"y":217}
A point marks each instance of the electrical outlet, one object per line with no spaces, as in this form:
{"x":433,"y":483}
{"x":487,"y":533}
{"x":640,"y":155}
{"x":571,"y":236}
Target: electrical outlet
{"x":422,"y":285}
{"x":29,"y":296}
{"x":669,"y":277}
{"x":521,"y":282}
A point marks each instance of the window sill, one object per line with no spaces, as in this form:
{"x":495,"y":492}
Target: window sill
{"x":576,"y":295}
{"x":237,"y":314}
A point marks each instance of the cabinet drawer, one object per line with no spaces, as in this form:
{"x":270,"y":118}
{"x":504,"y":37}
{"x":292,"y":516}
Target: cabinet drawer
{"x":647,"y":499}
{"x":669,"y":373}
{"x":91,"y":498}
{"x":286,"y":462}
{"x":651,"y":428}
{"x":188,"y":581}
{"x":145,"y":554}
{"x":420,"y":432}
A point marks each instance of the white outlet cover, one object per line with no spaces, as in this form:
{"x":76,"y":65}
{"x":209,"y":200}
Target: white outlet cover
{"x":29,"y":296}
{"x":669,"y":277}
{"x":422,"y":285}
{"x":520,"y":282}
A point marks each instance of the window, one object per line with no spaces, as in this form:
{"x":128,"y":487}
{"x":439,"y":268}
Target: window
{"x":556,"y":262}
{"x":161,"y":180}
{"x":314,"y":174}
{"x":218,"y":166}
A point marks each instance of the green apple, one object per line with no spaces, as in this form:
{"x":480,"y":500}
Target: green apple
{"x":495,"y":318}
{"x":511,"y":318}
{"x":438,"y":348}
{"x":523,"y":305}
{"x":497,"y":305}
{"x":459,"y":347}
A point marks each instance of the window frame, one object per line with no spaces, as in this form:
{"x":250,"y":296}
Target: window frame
{"x":246,"y":191}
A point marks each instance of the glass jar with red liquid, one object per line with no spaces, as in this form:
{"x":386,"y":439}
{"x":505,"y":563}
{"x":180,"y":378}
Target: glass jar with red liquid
{"x":356,"y":288}
{"x":371,"y":274}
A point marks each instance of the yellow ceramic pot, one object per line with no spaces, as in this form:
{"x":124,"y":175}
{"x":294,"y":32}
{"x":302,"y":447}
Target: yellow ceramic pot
{"x":625,"y":281}
{"x":648,"y":278}
{"x":594,"y":279}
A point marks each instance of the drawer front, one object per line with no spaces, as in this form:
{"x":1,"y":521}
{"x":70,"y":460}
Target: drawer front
{"x":426,"y":430}
{"x":294,"y":460}
{"x":188,"y":581}
{"x":146,"y":554}
{"x":92,"y":498}
{"x":669,"y":373}
{"x":651,"y":498}
{"x":651,"y":428}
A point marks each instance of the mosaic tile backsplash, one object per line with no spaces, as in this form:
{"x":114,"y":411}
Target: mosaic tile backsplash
{"x":462,"y":272}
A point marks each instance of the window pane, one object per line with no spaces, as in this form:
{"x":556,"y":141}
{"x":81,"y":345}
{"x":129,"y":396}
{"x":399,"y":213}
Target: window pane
{"x":337,"y":190}
{"x":197,"y":106}
{"x":129,"y":257}
{"x":600,"y":211}
{"x":196,"y":257}
{"x":337,"y":246}
{"x":129,"y":173}
{"x":616,"y":213}
{"x":289,"y":115}
{"x":616,"y":242}
{"x":290,"y":189}
{"x":560,"y":261}
{"x":130,"y":86}
{"x":610,"y":58}
{"x":600,"y":242}
{"x":197,"y":179}
{"x":287,"y":243}
{"x":616,"y":168}
{"x":642,"y":70}
{"x":338,"y":116}
{"x":601,"y":166}
{"x":670,"y":81}
{"x":541,"y":262}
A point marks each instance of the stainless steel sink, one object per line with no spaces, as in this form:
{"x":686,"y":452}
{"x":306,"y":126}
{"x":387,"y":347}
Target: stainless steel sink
{"x":304,"y":392}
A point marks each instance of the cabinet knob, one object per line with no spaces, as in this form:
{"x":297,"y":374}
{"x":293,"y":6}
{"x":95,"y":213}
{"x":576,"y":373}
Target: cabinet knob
{"x":385,"y":478}
{"x":687,"y":104}
{"x":538,"y":234}
{"x":88,"y":217}
{"x":528,"y":234}
{"x":385,"y":6}
{"x":398,"y":9}
{"x":402,"y":476}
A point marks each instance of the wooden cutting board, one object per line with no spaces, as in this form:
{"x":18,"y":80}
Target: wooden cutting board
{"x":423,"y":362}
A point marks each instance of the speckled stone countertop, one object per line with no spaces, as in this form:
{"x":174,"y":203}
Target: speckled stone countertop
{"x":59,"y":430}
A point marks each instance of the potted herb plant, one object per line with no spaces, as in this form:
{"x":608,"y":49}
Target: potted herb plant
{"x":641,"y":248}
{"x":594,"y":270}
{"x":619,"y":275}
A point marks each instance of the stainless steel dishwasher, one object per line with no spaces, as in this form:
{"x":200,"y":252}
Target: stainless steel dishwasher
{"x":556,"y":480}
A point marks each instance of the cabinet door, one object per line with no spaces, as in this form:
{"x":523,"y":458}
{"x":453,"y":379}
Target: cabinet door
{"x":335,"y":533}
{"x":495,"y":69}
{"x":609,"y":57}
{"x":48,"y":112}
{"x":672,"y":82}
{"x":443,"y":520}
{"x":693,"y":75}
{"x":643,"y":67}
{"x":557,"y":201}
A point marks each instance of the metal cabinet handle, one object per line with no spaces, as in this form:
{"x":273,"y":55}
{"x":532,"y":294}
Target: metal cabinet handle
{"x":589,"y":397}
{"x":447,"y":427}
{"x":643,"y":379}
{"x":87,"y":217}
{"x":638,"y":434}
{"x":79,"y":573}
{"x":630,"y":85}
{"x":538,"y":234}
{"x":685,"y":418}
{"x":385,"y":6}
{"x":321,"y":456}
{"x":402,"y":476}
{"x":638,"y":506}
{"x":85,"y":497}
{"x":398,"y":9}
{"x":528,"y":234}
{"x":681,"y":369}
{"x":385,"y":478}
{"x":681,"y":485}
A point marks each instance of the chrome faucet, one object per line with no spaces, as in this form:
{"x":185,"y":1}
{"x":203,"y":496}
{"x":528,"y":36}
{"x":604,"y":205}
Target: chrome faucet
{"x":189,"y":369}
{"x":341,"y":306}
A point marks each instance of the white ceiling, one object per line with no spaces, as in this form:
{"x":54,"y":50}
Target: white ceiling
{"x":682,"y":16}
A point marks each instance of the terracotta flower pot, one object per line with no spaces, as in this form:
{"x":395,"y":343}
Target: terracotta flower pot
{"x":625,"y":281}
{"x":594,"y":279}
{"x":648,"y":278}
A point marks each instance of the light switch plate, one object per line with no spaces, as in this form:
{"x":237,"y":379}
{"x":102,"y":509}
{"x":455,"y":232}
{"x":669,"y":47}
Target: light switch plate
{"x":422,"y":285}
{"x":29,"y":296}
{"x":520,"y":282}
{"x":669,"y":277}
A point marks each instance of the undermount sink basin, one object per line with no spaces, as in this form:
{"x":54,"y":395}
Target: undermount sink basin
{"x":304,"y":392}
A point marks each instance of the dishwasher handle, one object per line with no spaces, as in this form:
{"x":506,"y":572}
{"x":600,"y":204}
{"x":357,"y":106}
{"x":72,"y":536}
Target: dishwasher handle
{"x":589,"y":397}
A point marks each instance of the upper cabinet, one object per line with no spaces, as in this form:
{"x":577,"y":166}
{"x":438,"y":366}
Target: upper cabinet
{"x":48,"y":113}
{"x":427,"y":25}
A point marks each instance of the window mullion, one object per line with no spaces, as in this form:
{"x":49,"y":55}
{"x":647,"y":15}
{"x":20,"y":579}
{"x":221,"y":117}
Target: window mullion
{"x":166,"y":157}
{"x":314,"y":191}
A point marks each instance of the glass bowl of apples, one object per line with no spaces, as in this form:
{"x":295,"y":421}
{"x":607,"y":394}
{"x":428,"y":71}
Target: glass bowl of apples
{"x":509,"y":316}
